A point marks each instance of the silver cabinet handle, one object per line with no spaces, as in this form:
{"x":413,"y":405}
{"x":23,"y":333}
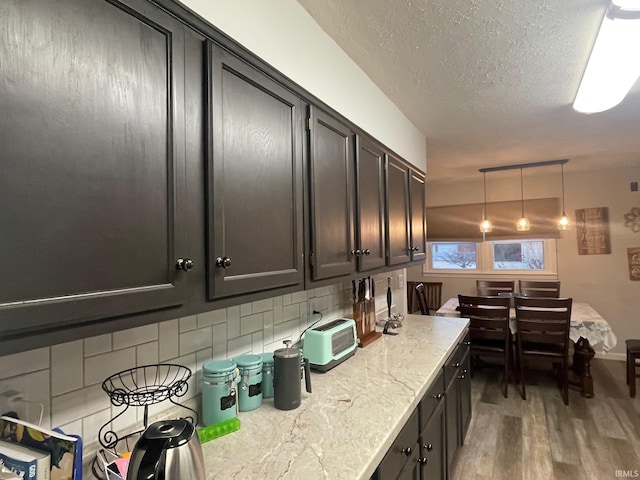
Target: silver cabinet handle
{"x":184,"y":264}
{"x":223,"y":262}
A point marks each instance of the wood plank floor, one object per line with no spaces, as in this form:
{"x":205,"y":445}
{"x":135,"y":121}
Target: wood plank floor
{"x":542,"y":439}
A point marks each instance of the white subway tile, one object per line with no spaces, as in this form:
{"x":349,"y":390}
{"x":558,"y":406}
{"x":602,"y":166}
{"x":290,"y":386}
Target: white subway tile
{"x":79,"y":403}
{"x":219,"y":345}
{"x":238,"y":346}
{"x":24,"y":362}
{"x":34,"y":387}
{"x":299,"y":297}
{"x":135,"y":336}
{"x":286,"y":299}
{"x":267,"y":332}
{"x":147,"y":354}
{"x":277,"y":307}
{"x":250,"y":324}
{"x":233,"y":322}
{"x":188,"y":323}
{"x":125,"y":421}
{"x":169,"y":341}
{"x":245,"y":309}
{"x":96,"y":345}
{"x":73,"y":428}
{"x":100,"y":367}
{"x":262,"y":305}
{"x":91,"y":424}
{"x":286,"y":330}
{"x":195,"y":340}
{"x":67,"y":361}
{"x":215,"y":317}
{"x":289,"y":313}
{"x":257,"y":342}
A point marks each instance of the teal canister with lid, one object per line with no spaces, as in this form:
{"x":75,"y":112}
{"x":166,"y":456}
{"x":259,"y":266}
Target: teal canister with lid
{"x":219,"y":391}
{"x":267,"y":375}
{"x":250,"y":386}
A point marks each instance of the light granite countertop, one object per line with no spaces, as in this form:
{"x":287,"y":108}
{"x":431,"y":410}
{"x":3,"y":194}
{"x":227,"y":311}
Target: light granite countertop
{"x":344,"y":428}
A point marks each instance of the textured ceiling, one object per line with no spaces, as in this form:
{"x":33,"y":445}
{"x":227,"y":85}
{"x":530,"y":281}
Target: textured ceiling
{"x":489,"y":82}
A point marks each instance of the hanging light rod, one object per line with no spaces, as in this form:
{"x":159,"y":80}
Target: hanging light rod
{"x":561,"y":161}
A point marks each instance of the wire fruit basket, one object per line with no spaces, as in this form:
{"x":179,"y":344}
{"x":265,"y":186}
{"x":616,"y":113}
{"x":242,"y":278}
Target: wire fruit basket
{"x":140,"y":387}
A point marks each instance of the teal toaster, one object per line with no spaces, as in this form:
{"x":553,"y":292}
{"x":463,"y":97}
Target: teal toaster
{"x":330,"y":344}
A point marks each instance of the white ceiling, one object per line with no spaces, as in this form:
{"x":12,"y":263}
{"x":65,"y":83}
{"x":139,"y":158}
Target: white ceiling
{"x":488,"y":82}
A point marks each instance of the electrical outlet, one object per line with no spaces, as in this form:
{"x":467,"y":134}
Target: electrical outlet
{"x":634,"y":186}
{"x":400,"y":280}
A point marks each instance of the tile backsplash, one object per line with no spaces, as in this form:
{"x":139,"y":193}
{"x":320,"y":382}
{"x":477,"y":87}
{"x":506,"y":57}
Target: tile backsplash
{"x":63,"y":383}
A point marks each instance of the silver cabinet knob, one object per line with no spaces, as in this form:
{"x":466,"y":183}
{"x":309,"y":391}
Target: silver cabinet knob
{"x":357,"y":252}
{"x":184,"y":264}
{"x":407,"y":451}
{"x":367,"y":252}
{"x":223,"y":262}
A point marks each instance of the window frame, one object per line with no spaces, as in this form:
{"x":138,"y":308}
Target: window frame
{"x":484,"y":261}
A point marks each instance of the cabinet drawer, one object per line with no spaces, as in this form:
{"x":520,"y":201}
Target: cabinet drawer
{"x":431,"y":400}
{"x":402,"y":449}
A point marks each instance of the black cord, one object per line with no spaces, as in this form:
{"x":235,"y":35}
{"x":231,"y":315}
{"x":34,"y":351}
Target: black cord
{"x":315,"y":312}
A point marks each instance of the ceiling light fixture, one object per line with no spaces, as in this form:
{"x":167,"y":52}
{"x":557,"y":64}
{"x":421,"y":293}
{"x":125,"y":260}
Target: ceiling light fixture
{"x":563,"y":221}
{"x":523,"y":224}
{"x":613,"y":66}
{"x":485,"y":225}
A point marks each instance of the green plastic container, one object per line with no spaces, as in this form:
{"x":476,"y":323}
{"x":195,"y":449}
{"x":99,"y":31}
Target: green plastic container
{"x":218,"y":429}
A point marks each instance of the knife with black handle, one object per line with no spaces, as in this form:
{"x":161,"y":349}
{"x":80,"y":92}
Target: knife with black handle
{"x":389,"y":295}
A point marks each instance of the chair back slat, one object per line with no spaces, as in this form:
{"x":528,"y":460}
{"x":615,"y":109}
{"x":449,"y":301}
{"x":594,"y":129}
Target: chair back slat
{"x":494,"y":287}
{"x":488,"y":316}
{"x":543,"y":320}
{"x":532,"y":288}
{"x":422,"y":299}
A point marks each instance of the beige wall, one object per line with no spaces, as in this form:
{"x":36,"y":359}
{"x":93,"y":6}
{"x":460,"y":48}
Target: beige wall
{"x":600,"y":280}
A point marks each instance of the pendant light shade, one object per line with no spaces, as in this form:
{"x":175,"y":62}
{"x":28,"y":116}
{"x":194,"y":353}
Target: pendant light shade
{"x":563,"y":221}
{"x":485,"y":225}
{"x":523,"y":224}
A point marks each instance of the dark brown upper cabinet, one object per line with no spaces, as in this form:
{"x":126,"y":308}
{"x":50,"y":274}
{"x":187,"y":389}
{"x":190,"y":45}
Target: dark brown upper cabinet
{"x":331,"y":190}
{"x":92,"y":135}
{"x":370,"y":228}
{"x":254,"y":179}
{"x":406,"y":238}
{"x":418,"y":217}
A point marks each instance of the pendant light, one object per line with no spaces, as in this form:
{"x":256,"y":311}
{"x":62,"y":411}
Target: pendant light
{"x":563,"y":221}
{"x":523,"y":224}
{"x":485,"y":225}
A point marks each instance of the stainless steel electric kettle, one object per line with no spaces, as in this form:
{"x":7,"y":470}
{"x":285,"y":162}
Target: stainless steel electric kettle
{"x":167,"y":450}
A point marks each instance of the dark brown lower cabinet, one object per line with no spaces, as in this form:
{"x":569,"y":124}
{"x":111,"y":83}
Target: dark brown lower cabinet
{"x":439,"y":424}
{"x":457,"y":400}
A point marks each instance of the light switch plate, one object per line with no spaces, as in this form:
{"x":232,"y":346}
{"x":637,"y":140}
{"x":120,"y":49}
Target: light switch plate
{"x":400,"y":280}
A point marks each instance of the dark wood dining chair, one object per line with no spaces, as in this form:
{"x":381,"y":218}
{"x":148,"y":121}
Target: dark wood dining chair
{"x":421,"y":297}
{"x":489,"y":331}
{"x":532,"y":288}
{"x":488,"y":288}
{"x":542,"y":333}
{"x":431,"y":290}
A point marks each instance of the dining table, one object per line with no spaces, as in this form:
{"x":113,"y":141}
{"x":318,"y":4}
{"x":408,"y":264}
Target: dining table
{"x":588,"y":331}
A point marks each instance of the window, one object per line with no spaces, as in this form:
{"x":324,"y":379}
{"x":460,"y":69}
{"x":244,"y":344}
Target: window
{"x":534,"y":256}
{"x":453,"y":255}
{"x":518,"y":255}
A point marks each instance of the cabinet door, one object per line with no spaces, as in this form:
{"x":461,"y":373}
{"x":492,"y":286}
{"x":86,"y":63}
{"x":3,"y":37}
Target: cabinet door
{"x":331,"y":197}
{"x":370,"y":191}
{"x":92,"y":130}
{"x":418,"y":220}
{"x":465,"y":396}
{"x":254,"y":179}
{"x":398,"y":238}
{"x":403,"y":452}
{"x":433,"y":444}
{"x":452,"y":402}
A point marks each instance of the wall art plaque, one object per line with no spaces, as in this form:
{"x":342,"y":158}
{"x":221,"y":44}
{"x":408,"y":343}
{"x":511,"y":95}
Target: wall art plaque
{"x":633,"y":254}
{"x":592,"y":228}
